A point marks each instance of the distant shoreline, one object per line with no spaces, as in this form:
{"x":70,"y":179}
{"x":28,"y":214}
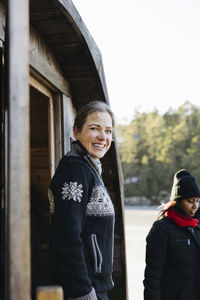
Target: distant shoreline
{"x":145,"y":207}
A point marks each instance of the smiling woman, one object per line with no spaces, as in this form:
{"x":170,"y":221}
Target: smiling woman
{"x":83,"y":209}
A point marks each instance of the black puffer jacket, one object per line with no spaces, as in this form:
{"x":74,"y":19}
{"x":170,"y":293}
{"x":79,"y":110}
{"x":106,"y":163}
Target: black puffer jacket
{"x":172,"y":262}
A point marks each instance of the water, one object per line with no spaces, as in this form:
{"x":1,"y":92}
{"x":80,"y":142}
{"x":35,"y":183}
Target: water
{"x":138,"y":221}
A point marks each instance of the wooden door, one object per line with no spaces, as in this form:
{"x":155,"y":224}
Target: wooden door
{"x":42,"y":168}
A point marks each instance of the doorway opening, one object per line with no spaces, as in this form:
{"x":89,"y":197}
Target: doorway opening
{"x":41,"y":170}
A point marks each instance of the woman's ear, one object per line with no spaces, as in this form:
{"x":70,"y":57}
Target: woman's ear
{"x":76,"y":133}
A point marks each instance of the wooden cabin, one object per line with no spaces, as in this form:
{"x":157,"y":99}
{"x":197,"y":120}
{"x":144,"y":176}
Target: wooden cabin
{"x":50,"y":66}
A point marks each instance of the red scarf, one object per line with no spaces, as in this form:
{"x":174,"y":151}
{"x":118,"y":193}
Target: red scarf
{"x":181,"y":220}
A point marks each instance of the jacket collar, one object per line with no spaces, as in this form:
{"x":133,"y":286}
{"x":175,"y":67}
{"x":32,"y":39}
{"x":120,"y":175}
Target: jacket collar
{"x":79,"y":151}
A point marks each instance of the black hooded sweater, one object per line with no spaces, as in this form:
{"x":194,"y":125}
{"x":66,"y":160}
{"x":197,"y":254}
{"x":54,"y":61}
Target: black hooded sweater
{"x":172,"y":262}
{"x":82,"y":227}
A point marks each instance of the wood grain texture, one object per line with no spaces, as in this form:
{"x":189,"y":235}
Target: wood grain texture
{"x":50,"y":293}
{"x":18,"y":151}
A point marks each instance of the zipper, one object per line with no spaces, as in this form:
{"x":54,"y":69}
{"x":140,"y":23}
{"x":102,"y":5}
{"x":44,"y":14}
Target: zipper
{"x":97,"y":254}
{"x":93,"y":167}
{"x":195,"y":236}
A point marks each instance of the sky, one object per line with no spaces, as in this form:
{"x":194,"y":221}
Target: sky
{"x":150,"y":51}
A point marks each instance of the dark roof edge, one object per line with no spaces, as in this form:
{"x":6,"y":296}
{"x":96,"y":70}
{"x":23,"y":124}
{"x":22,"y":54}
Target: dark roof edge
{"x":67,"y":7}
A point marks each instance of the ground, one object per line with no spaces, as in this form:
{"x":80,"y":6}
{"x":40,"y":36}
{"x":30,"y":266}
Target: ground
{"x":138,"y":221}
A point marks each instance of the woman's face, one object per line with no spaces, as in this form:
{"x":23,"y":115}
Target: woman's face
{"x":189,"y":206}
{"x":96,"y":134}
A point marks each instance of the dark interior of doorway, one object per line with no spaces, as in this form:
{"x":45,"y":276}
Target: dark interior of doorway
{"x":40,"y":176}
{"x":2,"y":176}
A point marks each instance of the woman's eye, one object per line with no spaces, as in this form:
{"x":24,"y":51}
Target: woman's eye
{"x":93,"y":128}
{"x":109,"y":131}
{"x":190,"y":200}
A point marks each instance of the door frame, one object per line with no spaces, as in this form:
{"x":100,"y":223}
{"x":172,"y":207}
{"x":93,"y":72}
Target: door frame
{"x":51,"y":120}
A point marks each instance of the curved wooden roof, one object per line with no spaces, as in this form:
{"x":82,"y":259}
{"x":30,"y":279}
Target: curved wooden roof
{"x":60,"y":25}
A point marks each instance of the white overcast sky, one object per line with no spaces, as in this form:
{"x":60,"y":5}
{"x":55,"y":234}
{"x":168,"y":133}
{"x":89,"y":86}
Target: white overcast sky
{"x":150,"y":50}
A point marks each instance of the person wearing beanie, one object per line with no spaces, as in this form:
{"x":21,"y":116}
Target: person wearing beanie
{"x":172,"y":269}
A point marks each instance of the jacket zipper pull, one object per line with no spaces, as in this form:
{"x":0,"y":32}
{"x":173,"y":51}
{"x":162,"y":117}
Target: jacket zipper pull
{"x":188,"y":242}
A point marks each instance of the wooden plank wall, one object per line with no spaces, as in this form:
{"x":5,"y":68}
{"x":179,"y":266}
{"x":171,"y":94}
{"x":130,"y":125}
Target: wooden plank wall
{"x":18,"y":186}
{"x":43,"y":61}
{"x":114,"y":182}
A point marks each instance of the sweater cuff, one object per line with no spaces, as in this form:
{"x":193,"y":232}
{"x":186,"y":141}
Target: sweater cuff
{"x":91,"y":296}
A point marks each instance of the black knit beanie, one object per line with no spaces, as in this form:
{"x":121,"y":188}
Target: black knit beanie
{"x":184,"y":186}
